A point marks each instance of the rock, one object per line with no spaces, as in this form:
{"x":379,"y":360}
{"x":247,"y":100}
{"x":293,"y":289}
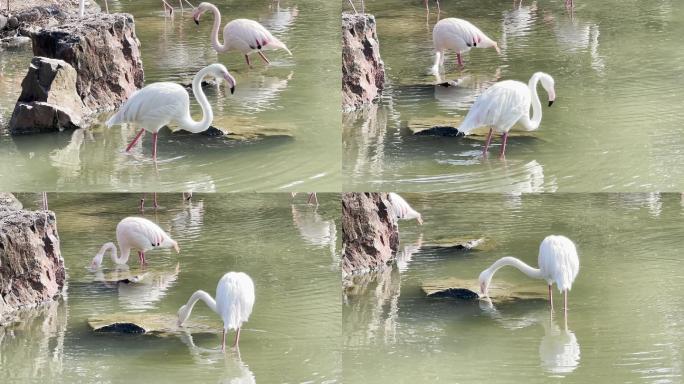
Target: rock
{"x":104,"y":50}
{"x":155,"y":324}
{"x":457,"y":244}
{"x":48,"y":100}
{"x":440,"y":131}
{"x":12,"y":23}
{"x":499,"y":291}
{"x":363,"y":72}
{"x":9,"y":203}
{"x":31,"y":265}
{"x":3,"y":22}
{"x":369,"y":232}
{"x":14,"y":42}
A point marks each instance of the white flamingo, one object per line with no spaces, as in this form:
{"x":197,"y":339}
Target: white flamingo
{"x":234,"y":302}
{"x":135,"y":233}
{"x":159,"y":104}
{"x":244,"y":35}
{"x":459,"y":35}
{"x":402,"y":210}
{"x":558,"y":263}
{"x":506,"y":103}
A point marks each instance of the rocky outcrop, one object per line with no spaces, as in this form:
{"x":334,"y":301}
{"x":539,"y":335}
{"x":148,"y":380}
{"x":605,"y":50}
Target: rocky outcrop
{"x":48,"y":100}
{"x":31,"y":265}
{"x":363,"y":72}
{"x":370,"y":235}
{"x":104,"y":50}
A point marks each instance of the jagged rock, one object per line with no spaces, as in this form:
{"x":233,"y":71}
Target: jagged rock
{"x":104,"y":50}
{"x":13,"y":23}
{"x":48,"y":100}
{"x":9,"y":203}
{"x":363,"y":72}
{"x":369,"y":232}
{"x":31,"y":265}
{"x":3,"y":22}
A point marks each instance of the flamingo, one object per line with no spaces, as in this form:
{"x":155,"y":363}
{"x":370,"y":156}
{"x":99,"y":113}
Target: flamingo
{"x":138,"y":233}
{"x":234,"y":302}
{"x":402,"y":209}
{"x":427,"y":7}
{"x":159,"y":104}
{"x":459,"y":35}
{"x":244,"y":35}
{"x":558,"y":262}
{"x":312,"y":200}
{"x":506,"y":103}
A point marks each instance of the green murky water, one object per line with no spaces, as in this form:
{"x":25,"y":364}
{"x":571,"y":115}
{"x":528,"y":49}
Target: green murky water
{"x":296,"y":98}
{"x":624,"y":322}
{"x":288,"y":249}
{"x":615,"y":126}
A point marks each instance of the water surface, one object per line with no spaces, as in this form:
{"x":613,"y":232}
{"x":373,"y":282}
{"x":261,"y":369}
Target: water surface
{"x":288,"y":249}
{"x":615,"y":125}
{"x":624,"y":322}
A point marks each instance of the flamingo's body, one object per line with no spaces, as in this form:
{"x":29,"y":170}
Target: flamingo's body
{"x":558,"y":263}
{"x":458,"y":35}
{"x":402,"y":210}
{"x":234,"y":302}
{"x":135,"y":233}
{"x":506,"y":103}
{"x":159,"y":104}
{"x":244,"y":35}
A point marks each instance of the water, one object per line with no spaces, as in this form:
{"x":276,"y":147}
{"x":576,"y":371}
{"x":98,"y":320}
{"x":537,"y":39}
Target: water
{"x":615,"y":125}
{"x":296,"y":100}
{"x":288,"y":249}
{"x":625,"y":306}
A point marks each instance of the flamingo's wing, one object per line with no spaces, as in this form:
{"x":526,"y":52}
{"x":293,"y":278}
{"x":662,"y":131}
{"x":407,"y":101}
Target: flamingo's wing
{"x":499,"y":107}
{"x":235,"y":298}
{"x":559,"y":261}
{"x":142,"y":232}
{"x":153,"y":106}
{"x":245,"y":32}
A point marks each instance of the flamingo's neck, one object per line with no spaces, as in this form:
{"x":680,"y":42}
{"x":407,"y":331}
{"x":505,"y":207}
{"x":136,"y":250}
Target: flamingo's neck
{"x":215,"y":30}
{"x":188,"y":123}
{"x":123,"y":259}
{"x":517,"y":263}
{"x":186,"y":310}
{"x":534,"y":122}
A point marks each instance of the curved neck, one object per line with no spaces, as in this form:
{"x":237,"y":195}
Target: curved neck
{"x":514,"y":262}
{"x":536,"y":104}
{"x":187,"y":308}
{"x":188,"y":123}
{"x":125,"y":253}
{"x":215,"y":30}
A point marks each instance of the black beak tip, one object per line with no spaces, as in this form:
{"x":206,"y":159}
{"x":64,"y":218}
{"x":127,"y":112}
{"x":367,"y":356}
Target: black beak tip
{"x":232,"y":90}
{"x":550,"y":103}
{"x":196,"y":21}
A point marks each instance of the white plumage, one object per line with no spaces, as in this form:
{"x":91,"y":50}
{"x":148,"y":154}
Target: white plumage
{"x":135,"y":233}
{"x":234,"y":302}
{"x":244,"y":35}
{"x":402,"y":209}
{"x":159,"y":104}
{"x":458,"y":35}
{"x":506,"y":103}
{"x":558,"y":263}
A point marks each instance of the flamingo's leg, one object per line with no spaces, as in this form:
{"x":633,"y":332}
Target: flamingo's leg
{"x":502,"y":154}
{"x":247,"y":60}
{"x":439,"y":10}
{"x":352,"y":5}
{"x":459,"y":60}
{"x":106,"y":6}
{"x":427,"y":7}
{"x":181,"y":5}
{"x":167,"y":5}
{"x":141,"y":257}
{"x":489,"y":140}
{"x":551,"y":297}
{"x":154,"y":146}
{"x":135,"y":139}
{"x":237,"y":338}
{"x":45,"y":201}
{"x":223,"y":341}
{"x":155,"y":200}
{"x":264,"y":57}
{"x":565,"y":303}
{"x":312,"y":198}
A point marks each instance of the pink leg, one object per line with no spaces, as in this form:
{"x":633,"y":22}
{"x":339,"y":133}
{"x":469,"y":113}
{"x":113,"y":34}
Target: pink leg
{"x":550,"y":297}
{"x":264,"y":57}
{"x":237,"y":338}
{"x":223,"y":341}
{"x":459,"y":60}
{"x":135,"y":140}
{"x":154,"y":146}
{"x":155,"y":201}
{"x":502,"y":154}
{"x":142,"y":202}
{"x":247,"y":60}
{"x":489,"y":140}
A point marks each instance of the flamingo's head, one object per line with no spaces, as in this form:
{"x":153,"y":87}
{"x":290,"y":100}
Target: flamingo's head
{"x":485,"y":279}
{"x":219,"y":71}
{"x":197,"y":12}
{"x":549,"y":85}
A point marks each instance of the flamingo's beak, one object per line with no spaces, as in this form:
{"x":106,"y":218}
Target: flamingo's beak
{"x":552,"y":97}
{"x":196,"y":21}
{"x":498,"y":50}
{"x":550,"y":103}
{"x":231,"y":82}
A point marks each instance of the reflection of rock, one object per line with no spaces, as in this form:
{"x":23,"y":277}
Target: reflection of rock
{"x":370,"y":235}
{"x":31,"y":265}
{"x":67,"y":160}
{"x":104,"y":49}
{"x":48,"y":101}
{"x":363,"y":72}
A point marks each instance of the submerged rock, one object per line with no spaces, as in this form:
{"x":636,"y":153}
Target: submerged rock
{"x":363,"y":71}
{"x":48,"y":100}
{"x":369,"y":232}
{"x":104,"y":50}
{"x":31,"y":265}
{"x":156,"y":324}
